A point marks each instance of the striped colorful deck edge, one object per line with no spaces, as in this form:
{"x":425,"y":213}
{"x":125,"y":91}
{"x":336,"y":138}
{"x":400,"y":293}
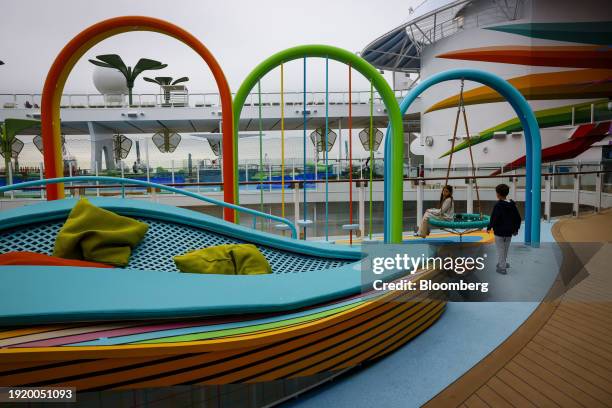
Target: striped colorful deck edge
{"x":230,"y":350}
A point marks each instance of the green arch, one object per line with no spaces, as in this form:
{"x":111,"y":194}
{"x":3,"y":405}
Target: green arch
{"x":380,"y":84}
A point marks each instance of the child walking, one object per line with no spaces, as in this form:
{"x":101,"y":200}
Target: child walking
{"x":505,"y":222}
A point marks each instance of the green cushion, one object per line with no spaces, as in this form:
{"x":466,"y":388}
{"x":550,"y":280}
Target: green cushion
{"x":94,"y":234}
{"x":230,"y":259}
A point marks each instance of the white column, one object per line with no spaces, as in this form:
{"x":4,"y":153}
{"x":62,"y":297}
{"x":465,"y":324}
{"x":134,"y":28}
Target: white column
{"x":419,"y":190}
{"x":172,"y":171}
{"x":514,"y":189}
{"x":547,"y":196}
{"x":362,"y":209}
{"x":270,"y":175}
{"x":122,"y":176}
{"x":42,"y":176}
{"x":598,"y":192}
{"x":296,"y":205}
{"x":576,"y":205}
{"x":70,"y":175}
{"x":97,"y":182}
{"x":198,"y":177}
{"x":146,"y":145}
{"x":9,"y":171}
{"x":469,"y":196}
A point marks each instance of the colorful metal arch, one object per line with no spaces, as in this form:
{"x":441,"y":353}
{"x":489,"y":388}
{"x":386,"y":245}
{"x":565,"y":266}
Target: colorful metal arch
{"x":72,"y":52}
{"x":532,"y":139}
{"x":394,"y":193}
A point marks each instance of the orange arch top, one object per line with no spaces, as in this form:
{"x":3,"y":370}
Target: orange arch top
{"x":74,"y":50}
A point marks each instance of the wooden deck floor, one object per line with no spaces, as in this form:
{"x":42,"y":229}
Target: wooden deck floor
{"x":562,"y":355}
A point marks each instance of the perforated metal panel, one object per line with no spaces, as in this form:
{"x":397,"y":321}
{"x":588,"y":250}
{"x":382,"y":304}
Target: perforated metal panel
{"x":163,"y":241}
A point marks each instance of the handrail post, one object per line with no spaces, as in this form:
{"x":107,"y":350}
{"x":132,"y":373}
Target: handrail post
{"x":547,"y":196}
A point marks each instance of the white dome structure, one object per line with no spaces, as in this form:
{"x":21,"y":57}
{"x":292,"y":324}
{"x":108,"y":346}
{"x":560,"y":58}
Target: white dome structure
{"x":110,"y":83}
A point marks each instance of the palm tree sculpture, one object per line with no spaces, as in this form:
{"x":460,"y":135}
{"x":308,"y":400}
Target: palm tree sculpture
{"x":115,"y":61}
{"x":165,"y":81}
{"x":10,"y":146}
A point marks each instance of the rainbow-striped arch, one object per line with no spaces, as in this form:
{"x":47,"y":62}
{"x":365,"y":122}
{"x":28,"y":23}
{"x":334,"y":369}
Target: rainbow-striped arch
{"x":395,"y":156}
{"x":74,"y":50}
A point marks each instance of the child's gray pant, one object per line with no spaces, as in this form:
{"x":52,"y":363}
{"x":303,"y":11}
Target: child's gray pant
{"x":502,"y":244}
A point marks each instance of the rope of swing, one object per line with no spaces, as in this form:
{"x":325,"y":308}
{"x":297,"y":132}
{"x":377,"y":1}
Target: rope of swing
{"x":461,"y":112}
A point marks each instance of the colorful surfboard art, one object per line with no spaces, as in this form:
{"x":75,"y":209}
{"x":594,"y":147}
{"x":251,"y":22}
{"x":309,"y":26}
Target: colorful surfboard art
{"x":561,"y":116}
{"x":587,"y":56}
{"x":576,"y":84}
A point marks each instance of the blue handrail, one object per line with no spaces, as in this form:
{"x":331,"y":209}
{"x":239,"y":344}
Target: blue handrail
{"x":123,"y":181}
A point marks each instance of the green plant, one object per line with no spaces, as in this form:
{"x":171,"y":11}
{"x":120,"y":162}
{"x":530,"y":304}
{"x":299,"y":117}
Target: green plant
{"x":115,"y":61}
{"x":165,"y":81}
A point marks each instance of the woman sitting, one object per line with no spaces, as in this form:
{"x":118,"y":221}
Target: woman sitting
{"x":446,"y":211}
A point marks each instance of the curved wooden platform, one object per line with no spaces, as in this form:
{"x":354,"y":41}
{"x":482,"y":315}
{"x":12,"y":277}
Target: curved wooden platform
{"x":562,"y":355}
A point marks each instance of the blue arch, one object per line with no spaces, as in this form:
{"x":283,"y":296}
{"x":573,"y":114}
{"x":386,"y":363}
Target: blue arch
{"x":532,"y":139}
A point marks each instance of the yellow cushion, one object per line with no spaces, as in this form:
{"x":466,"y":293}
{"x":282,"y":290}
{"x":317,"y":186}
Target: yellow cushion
{"x":249,"y":260}
{"x":229,"y":259}
{"x":216,"y":259}
{"x":94,"y":234}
